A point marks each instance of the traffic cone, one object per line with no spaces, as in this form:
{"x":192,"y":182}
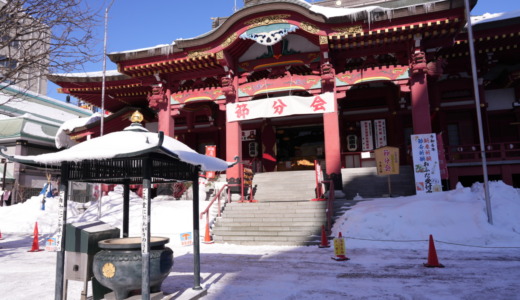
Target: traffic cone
{"x":207,"y":236}
{"x":36,"y":244}
{"x":433,"y":261}
{"x":339,"y":248}
{"x":324,"y":239}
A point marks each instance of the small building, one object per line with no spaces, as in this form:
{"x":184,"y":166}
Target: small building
{"x":283,"y":83}
{"x":28,"y":126}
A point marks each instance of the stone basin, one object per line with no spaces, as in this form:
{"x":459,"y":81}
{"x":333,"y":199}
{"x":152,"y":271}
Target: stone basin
{"x":118,"y":266}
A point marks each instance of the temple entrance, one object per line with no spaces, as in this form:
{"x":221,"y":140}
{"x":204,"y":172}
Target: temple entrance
{"x":298,"y":146}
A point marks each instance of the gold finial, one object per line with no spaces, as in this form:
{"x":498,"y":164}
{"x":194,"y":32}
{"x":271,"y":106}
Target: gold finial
{"x":136,"y":117}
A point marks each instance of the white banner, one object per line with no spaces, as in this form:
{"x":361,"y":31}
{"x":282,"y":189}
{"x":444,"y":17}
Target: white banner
{"x":280,"y":107}
{"x":426,"y":163}
{"x":380,"y":132}
{"x":366,"y":136}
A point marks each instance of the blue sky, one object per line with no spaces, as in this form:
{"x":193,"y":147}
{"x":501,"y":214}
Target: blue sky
{"x":134,"y":24}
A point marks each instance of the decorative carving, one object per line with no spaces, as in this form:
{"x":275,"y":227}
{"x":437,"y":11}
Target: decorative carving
{"x":435,"y":68}
{"x":348,"y":30}
{"x":199,"y":53}
{"x":262,"y":21}
{"x":418,"y":62}
{"x":324,"y":40}
{"x":327,"y":73}
{"x":227,"y":86}
{"x":157,"y":98}
{"x":309,"y":27}
{"x":220,"y":55}
{"x":108,"y":270}
{"x":229,"y":40}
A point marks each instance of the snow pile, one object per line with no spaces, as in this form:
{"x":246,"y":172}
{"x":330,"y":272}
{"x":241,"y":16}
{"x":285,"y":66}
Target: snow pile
{"x":456,"y":216}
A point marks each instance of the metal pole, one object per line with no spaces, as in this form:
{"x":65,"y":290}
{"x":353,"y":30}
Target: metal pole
{"x":104,"y":70}
{"x":196,"y":234}
{"x":60,"y":290}
{"x":145,"y":233}
{"x":479,"y":116}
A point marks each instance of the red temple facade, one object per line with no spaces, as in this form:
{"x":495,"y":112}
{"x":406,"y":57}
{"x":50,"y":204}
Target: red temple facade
{"x":284,"y":83}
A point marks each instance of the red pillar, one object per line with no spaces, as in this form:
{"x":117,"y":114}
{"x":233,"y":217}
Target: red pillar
{"x":332,"y":146}
{"x":166,"y":122}
{"x":420,"y":104}
{"x":233,"y":149}
{"x":419,"y":94}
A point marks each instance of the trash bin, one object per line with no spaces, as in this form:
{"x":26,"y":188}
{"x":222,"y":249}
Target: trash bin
{"x":81,"y":244}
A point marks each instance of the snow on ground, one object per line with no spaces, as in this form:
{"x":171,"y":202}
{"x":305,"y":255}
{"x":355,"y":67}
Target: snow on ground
{"x":386,"y":241}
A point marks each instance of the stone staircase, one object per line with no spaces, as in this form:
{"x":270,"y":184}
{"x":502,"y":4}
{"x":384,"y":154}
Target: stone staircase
{"x":284,"y":214}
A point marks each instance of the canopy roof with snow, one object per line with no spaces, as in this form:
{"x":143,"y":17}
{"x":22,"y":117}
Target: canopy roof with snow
{"x":121,"y":155}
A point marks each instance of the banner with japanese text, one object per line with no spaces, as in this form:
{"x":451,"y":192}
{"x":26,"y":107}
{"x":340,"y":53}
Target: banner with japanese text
{"x":367,"y":141}
{"x":211,"y":150}
{"x":426,"y":163}
{"x":380,"y":132}
{"x":280,"y":107}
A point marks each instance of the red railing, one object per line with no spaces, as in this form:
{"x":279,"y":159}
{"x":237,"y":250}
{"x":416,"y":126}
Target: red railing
{"x":216,"y":198}
{"x":493,"y":151}
{"x":329,"y":211}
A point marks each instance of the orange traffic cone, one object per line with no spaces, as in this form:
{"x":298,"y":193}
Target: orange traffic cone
{"x":324,"y":239}
{"x":36,"y":244}
{"x":207,"y":236}
{"x":433,"y":261}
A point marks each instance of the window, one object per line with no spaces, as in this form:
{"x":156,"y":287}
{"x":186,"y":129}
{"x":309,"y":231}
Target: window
{"x":7,"y":62}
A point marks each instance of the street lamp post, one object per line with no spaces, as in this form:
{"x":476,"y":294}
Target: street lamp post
{"x":104,"y":70}
{"x":479,"y":116}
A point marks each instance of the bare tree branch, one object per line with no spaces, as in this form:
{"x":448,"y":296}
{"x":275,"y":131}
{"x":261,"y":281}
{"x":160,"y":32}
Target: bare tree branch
{"x":38,"y":37}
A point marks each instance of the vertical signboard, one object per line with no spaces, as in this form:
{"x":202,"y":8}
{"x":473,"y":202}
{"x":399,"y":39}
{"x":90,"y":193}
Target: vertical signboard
{"x":426,"y":163}
{"x":145,"y":223}
{"x":61,"y":220}
{"x":366,"y":135}
{"x":380,"y":132}
{"x":211,"y":150}
{"x":387,"y":160}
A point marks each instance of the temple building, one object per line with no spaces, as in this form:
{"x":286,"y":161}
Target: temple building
{"x":282,"y":83}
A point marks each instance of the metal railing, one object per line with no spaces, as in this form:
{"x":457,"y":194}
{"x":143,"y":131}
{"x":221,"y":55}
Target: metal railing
{"x":217,"y":198}
{"x":494,"y":152}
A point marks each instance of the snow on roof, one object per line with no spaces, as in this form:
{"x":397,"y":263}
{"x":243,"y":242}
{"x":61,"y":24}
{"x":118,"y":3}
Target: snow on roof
{"x":132,"y":139}
{"x":62,"y":139}
{"x":492,"y":17}
{"x":89,"y":74}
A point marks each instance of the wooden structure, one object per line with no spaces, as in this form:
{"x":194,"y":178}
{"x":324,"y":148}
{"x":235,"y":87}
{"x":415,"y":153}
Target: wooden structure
{"x":335,"y":85}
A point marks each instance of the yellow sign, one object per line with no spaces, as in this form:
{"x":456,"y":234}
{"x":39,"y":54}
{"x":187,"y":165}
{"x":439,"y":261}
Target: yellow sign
{"x":339,"y":247}
{"x":387,"y":160}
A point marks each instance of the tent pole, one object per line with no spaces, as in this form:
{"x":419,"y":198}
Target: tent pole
{"x":196,"y":235}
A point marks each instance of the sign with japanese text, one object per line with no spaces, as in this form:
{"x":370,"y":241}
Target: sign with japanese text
{"x":426,"y":163}
{"x":380,"y":132}
{"x":280,"y":107}
{"x":367,"y":141}
{"x":211,"y":150}
{"x":145,"y":223}
{"x":443,"y":164}
{"x":61,"y":220}
{"x":387,"y":160}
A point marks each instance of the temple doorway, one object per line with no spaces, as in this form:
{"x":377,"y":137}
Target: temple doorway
{"x":298,"y":146}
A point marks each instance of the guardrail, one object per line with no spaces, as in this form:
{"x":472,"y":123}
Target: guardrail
{"x":493,"y":151}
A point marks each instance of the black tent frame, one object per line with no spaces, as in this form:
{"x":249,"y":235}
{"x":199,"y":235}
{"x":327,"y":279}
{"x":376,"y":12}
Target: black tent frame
{"x":154,"y":165}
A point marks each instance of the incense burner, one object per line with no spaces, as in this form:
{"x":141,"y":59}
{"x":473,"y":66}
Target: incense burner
{"x":118,"y":266}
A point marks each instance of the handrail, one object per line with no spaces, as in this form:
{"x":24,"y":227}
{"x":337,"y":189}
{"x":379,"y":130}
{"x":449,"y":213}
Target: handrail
{"x":329,"y":211}
{"x":216,"y":197}
{"x":494,"y":151}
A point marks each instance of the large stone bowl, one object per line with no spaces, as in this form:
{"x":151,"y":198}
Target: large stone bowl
{"x":118,"y":266}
